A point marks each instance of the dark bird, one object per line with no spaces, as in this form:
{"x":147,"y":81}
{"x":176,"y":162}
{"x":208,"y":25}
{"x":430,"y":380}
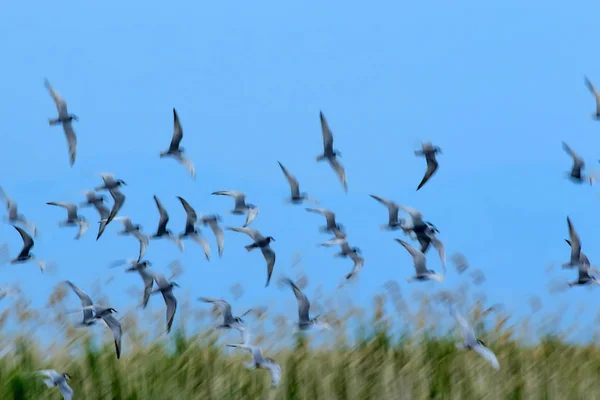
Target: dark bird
{"x":583,"y":258}
{"x":264,"y":244}
{"x":304,"y":321}
{"x":175,"y":151}
{"x":592,"y":89}
{"x":166,"y":289}
{"x":429,"y":151}
{"x":575,"y":244}
{"x":162,"y":231}
{"x":576,"y":174}
{"x":25,"y":255}
{"x":112,"y":185}
{"x":92,"y":199}
{"x":296,"y":197}
{"x":13,"y":214}
{"x":330,"y":154}
{"x":191,"y":230}
{"x":65,"y":119}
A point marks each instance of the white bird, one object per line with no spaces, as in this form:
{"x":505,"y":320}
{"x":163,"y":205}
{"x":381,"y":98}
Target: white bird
{"x":175,"y":150}
{"x":229,"y":321}
{"x":419,"y":260}
{"x":73,"y":218}
{"x":264,"y":244}
{"x":92,"y":199}
{"x":332,"y":225}
{"x":393,"y":208}
{"x":65,"y":119}
{"x":471,"y":342}
{"x":191,"y":230}
{"x":58,"y":379}
{"x":141,"y":267}
{"x":213,"y":222}
{"x":296,"y":197}
{"x":258,"y":361}
{"x":134,"y":230}
{"x":240,"y":206}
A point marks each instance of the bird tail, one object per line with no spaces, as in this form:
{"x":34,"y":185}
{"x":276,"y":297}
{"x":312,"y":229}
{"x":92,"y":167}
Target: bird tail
{"x":250,"y":247}
{"x":52,"y":121}
{"x":321,"y":157}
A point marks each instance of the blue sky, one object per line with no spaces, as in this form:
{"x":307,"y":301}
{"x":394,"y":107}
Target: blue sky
{"x":497,"y":86}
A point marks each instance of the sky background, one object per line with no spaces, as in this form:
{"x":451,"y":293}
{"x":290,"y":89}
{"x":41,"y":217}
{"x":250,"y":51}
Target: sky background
{"x":497,"y":86}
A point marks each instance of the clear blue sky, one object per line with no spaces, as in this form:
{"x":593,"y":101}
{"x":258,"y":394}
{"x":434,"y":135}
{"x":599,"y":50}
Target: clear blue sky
{"x":497,"y":85}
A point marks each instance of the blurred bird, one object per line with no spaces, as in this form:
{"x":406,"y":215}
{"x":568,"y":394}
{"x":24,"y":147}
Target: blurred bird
{"x":576,"y":174}
{"x":25,"y":255}
{"x":584,"y":277}
{"x":429,"y":151}
{"x":264,"y":244}
{"x":191,"y":230}
{"x":112,"y":185}
{"x":575,"y":244}
{"x":162,"y":230}
{"x":240,"y":205}
{"x":166,"y":289}
{"x":583,"y":259}
{"x":134,"y":230}
{"x":141,"y":267}
{"x":65,"y":119}
{"x":304,"y":321}
{"x":73,"y":219}
{"x":471,"y":342}
{"x":92,"y":199}
{"x":258,"y":361}
{"x":58,"y":379}
{"x":330,"y":154}
{"x":92,"y":313}
{"x":213,"y":222}
{"x":13,"y":215}
{"x":422,"y":273}
{"x":175,"y":151}
{"x":296,"y":196}
{"x":393,"y":208}
{"x":592,"y":89}
{"x":331,"y":226}
{"x":229,"y":321}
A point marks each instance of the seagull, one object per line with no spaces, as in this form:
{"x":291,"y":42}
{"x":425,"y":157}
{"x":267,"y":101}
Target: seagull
{"x":58,"y":379}
{"x":92,"y":313}
{"x":583,"y":258}
{"x":240,"y":207}
{"x":263,"y":243}
{"x":166,"y":289}
{"x":304,"y":321}
{"x":65,"y":119}
{"x":141,"y":267}
{"x":429,"y":151}
{"x":92,"y":199}
{"x":25,"y":254}
{"x":136,"y":231}
{"x":330,"y":154}
{"x":584,"y":277}
{"x":162,"y":230}
{"x":393,"y":208}
{"x":575,"y":244}
{"x":112,"y":185}
{"x":213,"y":222}
{"x":13,"y":215}
{"x":596,"y":115}
{"x":229,"y":321}
{"x":331,"y":226}
{"x":471,"y":342}
{"x":296,"y":196}
{"x":422,"y":273}
{"x":72,"y":217}
{"x":578,"y":165}
{"x":190,"y":227}
{"x":175,"y":151}
{"x":258,"y":361}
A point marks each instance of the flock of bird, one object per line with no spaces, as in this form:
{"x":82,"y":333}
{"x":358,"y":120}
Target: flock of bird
{"x":415,"y":227}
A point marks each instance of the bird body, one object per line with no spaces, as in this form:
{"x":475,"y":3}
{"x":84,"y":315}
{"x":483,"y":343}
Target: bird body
{"x":175,"y":150}
{"x":576,"y":174}
{"x":421,"y":271}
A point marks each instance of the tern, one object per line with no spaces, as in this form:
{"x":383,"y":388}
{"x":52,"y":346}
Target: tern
{"x":112,"y":185}
{"x":584,"y":277}
{"x":141,"y":267}
{"x":166,"y":289}
{"x":359,"y":262}
{"x":135,"y":231}
{"x":429,"y":152}
{"x":258,"y":361}
{"x":92,"y":313}
{"x":393,"y":208}
{"x":213,"y":222}
{"x":25,"y":255}
{"x":422,"y":230}
{"x":304,"y":321}
{"x":264,"y":244}
{"x":296,"y":197}
{"x":330,"y":154}
{"x":229,"y":321}
{"x":331,"y":226}
{"x":592,"y":89}
{"x":582,"y":259}
{"x":471,"y":342}
{"x":162,"y":230}
{"x":65,"y":119}
{"x":92,"y":199}
{"x":73,"y":219}
{"x":191,"y":230}
{"x":576,"y":174}
{"x":175,"y":151}
{"x":422,"y":273}
{"x":13,"y":215}
{"x":240,"y":206}
{"x":575,"y":244}
{"x":59,"y":380}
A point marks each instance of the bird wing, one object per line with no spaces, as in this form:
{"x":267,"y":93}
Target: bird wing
{"x":269,"y":255}
{"x":418,"y":257}
{"x":71,"y":140}
{"x":594,"y":92}
{"x":219,"y":235}
{"x":294,"y":185}
{"x":203,"y":243}
{"x":575,"y":242}
{"x":223,"y":306}
{"x":239,"y":197}
{"x":275,"y":371}
{"x":71,"y":208}
{"x":303,"y":303}
{"x":108,"y":178}
{"x":329,"y":215}
{"x":177,"y":132}
{"x":50,"y":373}
{"x":465,"y":328}
{"x":189,"y":165}
{"x":65,"y":389}
{"x":61,"y":104}
{"x":359,"y":262}
{"x":104,"y":215}
{"x":148,"y":278}
{"x":119,"y":199}
{"x":160,"y":279}
{"x":127,"y":224}
{"x":164,"y":216}
{"x":115,"y":327}
{"x":192,"y":217}
{"x":327,"y":135}
{"x":432,"y":166}
{"x":339,"y":171}
{"x":487,"y":354}
{"x":86,"y":301}
{"x":27,"y":240}
{"x":171,"y":303}
{"x":577,"y":160}
{"x":251,"y":216}
{"x":439,"y":246}
{"x":144,"y":241}
{"x":253,"y":233}
{"x":391,"y":206}
{"x":83,"y":228}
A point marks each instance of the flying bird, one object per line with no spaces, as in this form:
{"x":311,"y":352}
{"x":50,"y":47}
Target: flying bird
{"x":471,"y":342}
{"x":330,"y":154}
{"x":296,"y":197}
{"x":331,"y":226}
{"x":359,"y":262}
{"x":592,"y":89}
{"x":112,"y":185}
{"x":92,"y":313}
{"x":419,"y":260}
{"x":92,"y":199}
{"x":175,"y":151}
{"x":162,"y":230}
{"x":25,"y":255}
{"x":59,"y":380}
{"x":134,"y":230}
{"x":429,"y":151}
{"x":582,"y":259}
{"x":166,"y":289}
{"x":191,"y":230}
{"x":13,"y":215}
{"x":213,"y":222}
{"x":240,"y":205}
{"x":584,"y":277}
{"x":258,"y":361}
{"x":304,"y":321}
{"x":264,"y":244}
{"x":229,"y":321}
{"x":141,"y":267}
{"x":65,"y":119}
{"x":576,"y":174}
{"x":393,"y":208}
{"x":73,"y":219}
{"x":575,"y":244}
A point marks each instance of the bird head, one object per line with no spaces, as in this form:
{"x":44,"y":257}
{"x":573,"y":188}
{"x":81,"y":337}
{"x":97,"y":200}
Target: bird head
{"x":112,"y":310}
{"x":480,"y":342}
{"x":218,"y":218}
{"x":146,"y":263}
{"x":181,"y":149}
{"x":67,"y":376}
{"x":337,"y":153}
{"x":270,"y":238}
{"x":356,"y":250}
{"x":239,"y":320}
{"x":121,"y":182}
{"x":173,"y":283}
{"x":75,"y":117}
{"x":250,"y":205}
{"x":437,"y":149}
